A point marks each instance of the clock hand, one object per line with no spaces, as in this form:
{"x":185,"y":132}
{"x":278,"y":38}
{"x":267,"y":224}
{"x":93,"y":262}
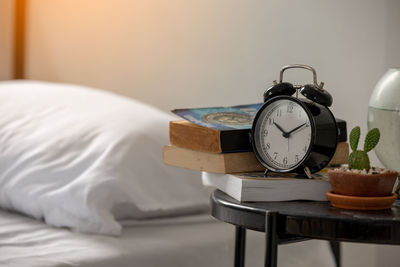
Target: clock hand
{"x":284,"y":134}
{"x":295,"y":129}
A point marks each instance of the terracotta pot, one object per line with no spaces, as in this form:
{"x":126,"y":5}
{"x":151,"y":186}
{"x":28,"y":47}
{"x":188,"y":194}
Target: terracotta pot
{"x":363,"y":185}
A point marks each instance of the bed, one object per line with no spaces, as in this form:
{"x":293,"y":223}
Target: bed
{"x":26,"y":242}
{"x":66,"y":191}
{"x":83,"y":184}
{"x":188,"y":241}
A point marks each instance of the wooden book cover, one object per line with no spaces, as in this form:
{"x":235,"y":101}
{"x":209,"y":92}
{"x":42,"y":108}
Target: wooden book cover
{"x":341,"y":155}
{"x":211,"y":162}
{"x":183,"y":133}
{"x":229,"y":162}
{"x":188,"y":135}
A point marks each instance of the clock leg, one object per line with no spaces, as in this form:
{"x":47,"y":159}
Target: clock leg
{"x":308,"y":172}
{"x":266,"y":173}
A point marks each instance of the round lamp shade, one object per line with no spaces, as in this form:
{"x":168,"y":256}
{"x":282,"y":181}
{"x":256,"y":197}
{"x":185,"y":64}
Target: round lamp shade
{"x":384,"y":114}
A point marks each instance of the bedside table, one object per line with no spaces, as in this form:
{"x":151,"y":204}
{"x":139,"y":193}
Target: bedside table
{"x":295,"y":221}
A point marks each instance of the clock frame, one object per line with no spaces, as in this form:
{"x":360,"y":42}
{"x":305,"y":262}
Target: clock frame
{"x":323,"y":136}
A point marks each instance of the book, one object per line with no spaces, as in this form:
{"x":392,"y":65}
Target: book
{"x":341,"y":155}
{"x":185,"y":134}
{"x":221,"y":129}
{"x":188,"y":135}
{"x":211,"y":162}
{"x":221,"y":118}
{"x":254,"y":187}
{"x":229,"y":162}
{"x":342,"y":130}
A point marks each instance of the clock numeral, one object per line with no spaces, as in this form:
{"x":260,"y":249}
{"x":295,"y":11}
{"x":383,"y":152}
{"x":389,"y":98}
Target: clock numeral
{"x":308,"y":124}
{"x":285,"y":160}
{"x":264,"y":132}
{"x":305,"y":149}
{"x":300,"y":114}
{"x":275,"y":155}
{"x":290,"y":109}
{"x":270,"y":121}
{"x":296,"y":158}
{"x":268,"y":146}
{"x":278,"y":112}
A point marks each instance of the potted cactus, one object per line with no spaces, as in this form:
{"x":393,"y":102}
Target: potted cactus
{"x":360,"y":186}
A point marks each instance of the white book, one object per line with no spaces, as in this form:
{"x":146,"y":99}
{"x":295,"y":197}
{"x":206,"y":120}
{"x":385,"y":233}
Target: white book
{"x":248,"y":187}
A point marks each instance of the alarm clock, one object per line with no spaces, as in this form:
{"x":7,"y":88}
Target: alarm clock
{"x":293,"y":134}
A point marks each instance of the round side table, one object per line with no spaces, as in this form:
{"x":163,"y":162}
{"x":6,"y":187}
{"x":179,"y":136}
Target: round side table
{"x":295,"y":221}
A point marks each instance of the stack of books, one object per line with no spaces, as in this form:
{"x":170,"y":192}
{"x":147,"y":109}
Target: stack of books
{"x":219,"y":151}
{"x":204,"y":149}
{"x":224,"y":155}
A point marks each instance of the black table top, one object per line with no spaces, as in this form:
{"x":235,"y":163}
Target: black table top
{"x":312,"y":219}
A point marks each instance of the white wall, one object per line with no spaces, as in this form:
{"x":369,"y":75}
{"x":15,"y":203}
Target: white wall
{"x":186,"y":53}
{"x":6,"y":38}
{"x":393,"y":34}
{"x":183,"y":53}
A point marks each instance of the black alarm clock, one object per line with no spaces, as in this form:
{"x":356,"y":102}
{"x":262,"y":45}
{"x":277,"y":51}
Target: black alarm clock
{"x":292,"y":134}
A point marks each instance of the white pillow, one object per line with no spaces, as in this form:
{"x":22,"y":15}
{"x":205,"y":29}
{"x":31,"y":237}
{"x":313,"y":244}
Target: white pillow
{"x":78,"y":158}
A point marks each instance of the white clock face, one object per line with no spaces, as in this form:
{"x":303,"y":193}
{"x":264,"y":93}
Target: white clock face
{"x":283,"y":135}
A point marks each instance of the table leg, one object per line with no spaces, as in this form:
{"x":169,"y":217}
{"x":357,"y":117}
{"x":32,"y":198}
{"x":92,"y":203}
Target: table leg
{"x":240,"y":246}
{"x":335,"y":247}
{"x":271,"y":236}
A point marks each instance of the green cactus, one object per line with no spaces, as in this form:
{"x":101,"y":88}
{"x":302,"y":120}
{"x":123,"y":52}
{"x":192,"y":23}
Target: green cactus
{"x":372,"y":139}
{"x":359,"y":159}
{"x":354,"y":137}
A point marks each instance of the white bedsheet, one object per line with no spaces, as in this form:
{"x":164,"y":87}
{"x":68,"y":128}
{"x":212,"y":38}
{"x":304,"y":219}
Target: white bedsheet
{"x":184,"y":241}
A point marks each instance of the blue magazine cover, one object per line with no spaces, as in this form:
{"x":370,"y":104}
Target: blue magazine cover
{"x":221,"y":118}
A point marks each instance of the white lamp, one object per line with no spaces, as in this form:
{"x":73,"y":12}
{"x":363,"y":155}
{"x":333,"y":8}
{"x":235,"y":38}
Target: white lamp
{"x":384,"y":113}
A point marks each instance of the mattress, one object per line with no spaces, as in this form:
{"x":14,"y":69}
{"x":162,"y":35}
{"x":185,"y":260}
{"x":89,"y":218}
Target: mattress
{"x":197,"y":240}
